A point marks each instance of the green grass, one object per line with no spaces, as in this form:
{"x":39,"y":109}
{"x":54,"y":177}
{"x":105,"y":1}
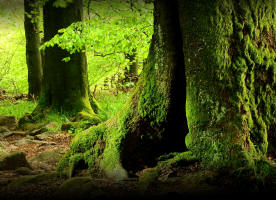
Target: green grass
{"x":110,"y":103}
{"x":17,"y":109}
{"x":14,"y":73}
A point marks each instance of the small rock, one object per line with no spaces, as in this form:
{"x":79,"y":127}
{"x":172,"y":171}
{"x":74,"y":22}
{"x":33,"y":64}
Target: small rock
{"x":51,"y":126}
{"x":36,"y":131}
{"x":23,"y":171}
{"x":4,"y":130}
{"x":32,"y":179}
{"x":27,"y":118}
{"x":14,"y":133}
{"x":13,"y":161}
{"x":79,"y":188}
{"x":9,"y":122}
{"x":30,"y":137}
{"x":44,"y":135}
{"x":25,"y":141}
{"x":49,"y":156}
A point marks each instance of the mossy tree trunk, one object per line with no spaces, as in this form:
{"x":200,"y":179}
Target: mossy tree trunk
{"x":65,"y":84}
{"x":226,"y":52}
{"x":33,"y":57}
{"x":229,"y":51}
{"x":153,"y":122}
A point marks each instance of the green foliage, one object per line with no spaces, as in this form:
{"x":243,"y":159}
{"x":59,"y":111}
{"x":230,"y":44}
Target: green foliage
{"x":110,"y":109}
{"x":113,"y":30}
{"x":13,"y":69}
{"x":17,"y":109}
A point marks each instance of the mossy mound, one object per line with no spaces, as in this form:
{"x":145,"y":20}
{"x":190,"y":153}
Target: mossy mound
{"x":177,"y":159}
{"x":13,"y":161}
{"x":9,"y":122}
{"x":32,"y":179}
{"x":23,"y":171}
{"x":97,"y":148}
{"x":79,"y":188}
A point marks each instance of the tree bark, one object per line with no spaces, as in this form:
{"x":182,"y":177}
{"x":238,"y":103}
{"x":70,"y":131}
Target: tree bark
{"x":65,"y":84}
{"x":225,"y":52}
{"x":33,"y":58}
{"x":229,"y":51}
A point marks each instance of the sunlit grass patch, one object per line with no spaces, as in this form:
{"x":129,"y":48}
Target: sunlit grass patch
{"x":17,"y":109}
{"x":110,"y":103}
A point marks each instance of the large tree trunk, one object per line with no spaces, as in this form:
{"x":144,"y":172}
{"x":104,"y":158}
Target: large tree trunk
{"x":153,"y":122}
{"x":65,"y":84}
{"x":226,"y":52}
{"x":229,"y":50}
{"x":33,"y":58}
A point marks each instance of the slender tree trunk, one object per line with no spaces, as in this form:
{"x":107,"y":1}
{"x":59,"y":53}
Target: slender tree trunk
{"x":229,"y":50}
{"x":33,"y":58}
{"x":65,"y":84}
{"x":133,"y":67}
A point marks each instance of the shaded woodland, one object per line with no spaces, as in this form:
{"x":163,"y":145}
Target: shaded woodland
{"x":195,"y":82}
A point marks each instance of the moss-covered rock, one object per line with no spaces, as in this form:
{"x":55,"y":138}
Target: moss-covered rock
{"x":79,"y":188}
{"x":4,"y":130}
{"x":51,"y":156}
{"x":9,"y":122}
{"x":32,"y":179}
{"x":23,"y":171}
{"x":13,"y":161}
{"x":146,"y":178}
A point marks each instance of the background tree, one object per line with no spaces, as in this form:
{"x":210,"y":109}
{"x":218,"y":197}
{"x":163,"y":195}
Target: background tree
{"x":33,"y":57}
{"x":115,"y":34}
{"x":65,"y":84}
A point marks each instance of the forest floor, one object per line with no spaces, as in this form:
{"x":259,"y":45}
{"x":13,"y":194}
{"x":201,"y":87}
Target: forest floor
{"x":43,"y":148}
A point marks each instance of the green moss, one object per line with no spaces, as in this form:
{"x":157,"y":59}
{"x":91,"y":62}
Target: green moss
{"x":32,"y":179}
{"x":176,"y":159}
{"x":99,"y":147}
{"x":231,"y":80}
{"x":147,"y":177}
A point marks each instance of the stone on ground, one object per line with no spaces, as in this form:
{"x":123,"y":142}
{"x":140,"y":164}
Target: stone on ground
{"x":13,"y":161}
{"x":33,"y":179}
{"x":24,"y":171}
{"x":9,"y":122}
{"x":4,"y":130}
{"x":79,"y":188}
{"x":50,"y":156}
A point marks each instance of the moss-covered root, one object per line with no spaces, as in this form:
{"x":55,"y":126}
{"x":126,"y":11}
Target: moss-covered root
{"x":177,"y":159}
{"x":99,"y":149}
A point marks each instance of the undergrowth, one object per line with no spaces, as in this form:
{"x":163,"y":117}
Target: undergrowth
{"x":17,"y":109}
